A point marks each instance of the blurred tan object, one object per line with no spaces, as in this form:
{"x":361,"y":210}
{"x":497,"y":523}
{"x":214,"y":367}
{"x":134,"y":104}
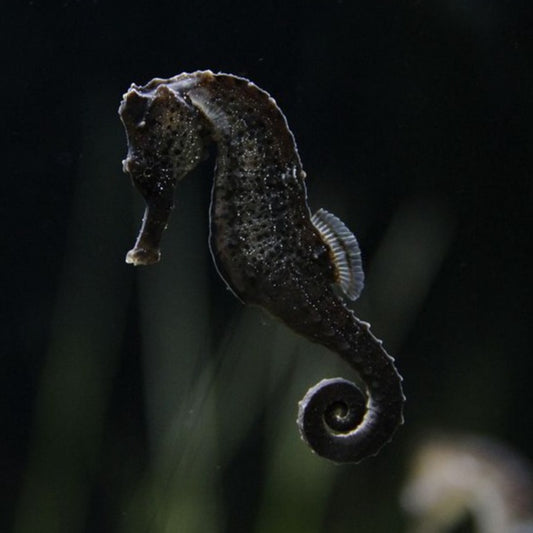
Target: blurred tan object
{"x":452,"y":477}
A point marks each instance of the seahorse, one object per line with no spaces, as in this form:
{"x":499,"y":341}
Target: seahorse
{"x":267,"y":247}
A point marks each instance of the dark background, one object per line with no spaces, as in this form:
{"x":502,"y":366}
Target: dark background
{"x":413,"y":121}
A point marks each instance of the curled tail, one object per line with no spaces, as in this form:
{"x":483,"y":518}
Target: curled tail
{"x":343,"y":423}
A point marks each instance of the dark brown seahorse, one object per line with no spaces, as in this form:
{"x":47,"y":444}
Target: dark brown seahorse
{"x":266,"y":245}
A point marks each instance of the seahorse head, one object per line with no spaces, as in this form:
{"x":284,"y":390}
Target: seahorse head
{"x":164,"y":139}
{"x":165,"y":142}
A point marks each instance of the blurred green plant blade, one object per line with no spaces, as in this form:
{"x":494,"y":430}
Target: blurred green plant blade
{"x":87,"y":331}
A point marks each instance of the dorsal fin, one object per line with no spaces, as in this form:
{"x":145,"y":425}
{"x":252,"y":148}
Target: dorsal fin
{"x":345,"y":251}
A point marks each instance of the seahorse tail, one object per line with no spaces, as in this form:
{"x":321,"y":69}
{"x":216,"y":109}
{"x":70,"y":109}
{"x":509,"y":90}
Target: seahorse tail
{"x":345,"y":424}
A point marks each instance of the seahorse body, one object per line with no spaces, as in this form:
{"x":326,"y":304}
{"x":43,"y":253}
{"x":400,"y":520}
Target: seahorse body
{"x":266,"y":245}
